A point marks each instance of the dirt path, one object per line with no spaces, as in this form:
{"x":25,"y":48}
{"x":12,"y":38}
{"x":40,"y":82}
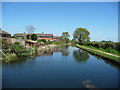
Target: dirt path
{"x":102,"y":52}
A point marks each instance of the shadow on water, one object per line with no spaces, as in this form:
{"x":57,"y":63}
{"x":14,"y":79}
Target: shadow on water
{"x":107,"y":61}
{"x":20,"y":60}
{"x":80,"y":56}
{"x":65,"y":50}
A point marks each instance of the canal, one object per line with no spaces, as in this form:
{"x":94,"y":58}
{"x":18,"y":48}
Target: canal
{"x":61,"y":67}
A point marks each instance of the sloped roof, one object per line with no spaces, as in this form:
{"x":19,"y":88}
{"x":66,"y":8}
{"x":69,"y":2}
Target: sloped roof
{"x":56,"y":37}
{"x":38,"y":34}
{"x":20,"y":34}
{"x":4,"y":32}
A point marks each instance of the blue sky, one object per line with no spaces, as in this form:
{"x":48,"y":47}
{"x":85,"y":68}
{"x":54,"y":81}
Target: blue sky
{"x":100,"y":18}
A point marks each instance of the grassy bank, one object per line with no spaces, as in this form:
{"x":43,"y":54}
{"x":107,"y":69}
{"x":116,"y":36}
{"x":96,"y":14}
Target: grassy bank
{"x":106,"y":55}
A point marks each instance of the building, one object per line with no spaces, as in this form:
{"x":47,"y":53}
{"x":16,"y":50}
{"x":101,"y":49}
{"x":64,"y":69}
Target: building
{"x":4,"y":33}
{"x":21,"y":35}
{"x":56,"y":38}
{"x":45,"y":36}
{"x":40,"y":36}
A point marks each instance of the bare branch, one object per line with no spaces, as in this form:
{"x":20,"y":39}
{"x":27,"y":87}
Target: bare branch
{"x":30,"y":29}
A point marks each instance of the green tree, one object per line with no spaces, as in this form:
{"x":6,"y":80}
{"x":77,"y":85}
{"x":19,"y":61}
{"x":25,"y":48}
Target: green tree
{"x":81,"y":34}
{"x":28,"y":36}
{"x":65,"y":37}
{"x":34,"y":37}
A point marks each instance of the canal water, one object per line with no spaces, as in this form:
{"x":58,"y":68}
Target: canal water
{"x":61,"y":67}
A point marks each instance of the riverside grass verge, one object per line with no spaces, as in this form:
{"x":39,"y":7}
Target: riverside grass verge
{"x":106,"y":55}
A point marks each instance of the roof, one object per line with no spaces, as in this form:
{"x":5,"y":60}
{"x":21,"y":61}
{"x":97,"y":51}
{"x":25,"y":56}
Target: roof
{"x":4,"y":32}
{"x":56,"y":37}
{"x":44,"y":34}
{"x":38,"y":34}
{"x":20,"y":34}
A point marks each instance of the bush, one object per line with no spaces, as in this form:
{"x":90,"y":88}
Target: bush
{"x":34,"y":37}
{"x":17,"y":43}
{"x":105,"y":45}
{"x":19,"y":50}
{"x":12,"y":57}
{"x":42,"y":40}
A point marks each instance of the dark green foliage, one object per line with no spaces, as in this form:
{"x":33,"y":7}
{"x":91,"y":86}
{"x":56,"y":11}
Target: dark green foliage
{"x":105,"y":45}
{"x":50,"y":42}
{"x":42,"y":40}
{"x":67,"y":40}
{"x":17,"y":43}
{"x":34,"y":37}
{"x":28,"y":36}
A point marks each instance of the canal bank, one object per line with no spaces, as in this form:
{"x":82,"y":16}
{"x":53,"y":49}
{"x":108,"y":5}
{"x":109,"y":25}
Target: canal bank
{"x":108,"y":56}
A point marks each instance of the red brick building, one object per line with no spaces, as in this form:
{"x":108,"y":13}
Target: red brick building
{"x":39,"y":36}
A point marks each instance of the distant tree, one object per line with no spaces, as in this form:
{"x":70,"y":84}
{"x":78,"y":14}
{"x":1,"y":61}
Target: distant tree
{"x":30,"y":29}
{"x":34,"y":37}
{"x":65,"y":37}
{"x":106,"y":41}
{"x":81,"y":34}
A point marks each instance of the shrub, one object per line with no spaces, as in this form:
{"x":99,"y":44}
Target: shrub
{"x":12,"y":57}
{"x":19,"y":50}
{"x":42,"y":40}
{"x":33,"y":37}
{"x":17,"y":43}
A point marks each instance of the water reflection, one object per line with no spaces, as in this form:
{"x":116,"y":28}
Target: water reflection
{"x":80,"y":56}
{"x":49,"y":51}
{"x":107,"y":61}
{"x":65,"y":50}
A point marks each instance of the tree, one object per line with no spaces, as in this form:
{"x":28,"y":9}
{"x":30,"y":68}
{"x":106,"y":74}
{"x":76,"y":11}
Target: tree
{"x":34,"y":37}
{"x":28,"y":36}
{"x":65,"y":37}
{"x":30,"y":29}
{"x":81,"y":34}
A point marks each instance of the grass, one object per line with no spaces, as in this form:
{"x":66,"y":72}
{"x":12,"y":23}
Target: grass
{"x":108,"y":50}
{"x":11,"y":58}
{"x":92,"y":50}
